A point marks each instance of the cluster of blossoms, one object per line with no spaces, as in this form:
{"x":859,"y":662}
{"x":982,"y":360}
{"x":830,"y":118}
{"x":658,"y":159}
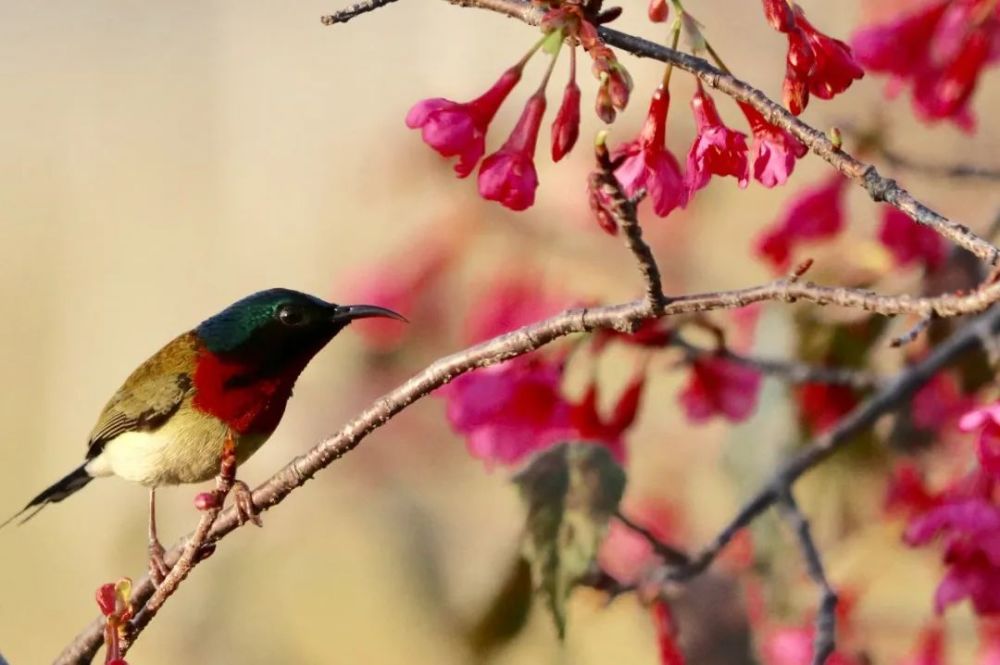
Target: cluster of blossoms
{"x":508,"y":175}
{"x":816,"y":64}
{"x":939,"y":50}
{"x":965,"y":515}
{"x":816,"y":213}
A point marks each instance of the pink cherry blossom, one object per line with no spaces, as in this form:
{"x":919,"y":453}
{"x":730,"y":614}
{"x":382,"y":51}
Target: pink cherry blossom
{"x":717,"y":149}
{"x":510,"y":302}
{"x":566,"y":126}
{"x":720,"y":386}
{"x":508,"y":175}
{"x":455,"y":129}
{"x":774,"y":149}
{"x":649,"y":165}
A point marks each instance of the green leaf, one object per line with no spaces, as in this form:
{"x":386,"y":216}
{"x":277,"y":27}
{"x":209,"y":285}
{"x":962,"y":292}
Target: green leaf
{"x":553,"y":41}
{"x":570,"y":491}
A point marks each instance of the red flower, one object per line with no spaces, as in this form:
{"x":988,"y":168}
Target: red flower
{"x":822,"y":405}
{"x":939,"y":403}
{"x":455,"y":129}
{"x":941,"y":49}
{"x":816,"y":64}
{"x":589,"y":425}
{"x":566,"y":126}
{"x":719,"y":386}
{"x":648,"y":164}
{"x":779,"y":14}
{"x":774,"y":149}
{"x":508,"y":175}
{"x":717,"y":149}
{"x":910,"y":242}
{"x":815,"y":213}
{"x":511,"y":410}
{"x":666,"y":634}
{"x":930,"y":647}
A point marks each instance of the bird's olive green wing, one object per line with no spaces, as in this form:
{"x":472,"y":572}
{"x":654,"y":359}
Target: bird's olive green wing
{"x":149,"y":396}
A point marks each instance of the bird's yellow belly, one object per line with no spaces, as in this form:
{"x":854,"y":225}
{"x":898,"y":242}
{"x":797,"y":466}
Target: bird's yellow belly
{"x":186,"y":449}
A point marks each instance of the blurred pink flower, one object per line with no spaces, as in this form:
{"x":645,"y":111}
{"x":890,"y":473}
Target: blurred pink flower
{"x":822,"y":405}
{"x":508,"y":304}
{"x":720,"y":386}
{"x":649,"y":164}
{"x":793,"y":645}
{"x":717,"y":149}
{"x":589,"y":425}
{"x":815,"y":213}
{"x":939,"y":403}
{"x":403,"y":284}
{"x":774,"y":149}
{"x":626,"y":555}
{"x":939,"y":48}
{"x":454,"y":129}
{"x":910,"y":242}
{"x":509,"y":410}
{"x":508,"y":175}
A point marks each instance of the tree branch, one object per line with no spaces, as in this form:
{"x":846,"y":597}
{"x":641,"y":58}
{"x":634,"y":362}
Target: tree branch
{"x":878,"y":187}
{"x":825,"y":640}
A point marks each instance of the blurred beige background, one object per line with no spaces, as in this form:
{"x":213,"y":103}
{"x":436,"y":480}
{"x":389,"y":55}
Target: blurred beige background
{"x":159,"y":160}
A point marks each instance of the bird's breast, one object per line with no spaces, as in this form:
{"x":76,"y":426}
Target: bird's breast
{"x":236,"y":393}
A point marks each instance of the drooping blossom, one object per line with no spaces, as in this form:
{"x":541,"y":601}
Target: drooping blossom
{"x":910,"y":242}
{"x":649,"y":165}
{"x":822,"y":405}
{"x":816,"y":213}
{"x":717,"y":149}
{"x":939,"y":49}
{"x":510,"y":410}
{"x":720,"y":386}
{"x":816,"y":64}
{"x":508,"y":176}
{"x":456,"y":129}
{"x":774,"y":149}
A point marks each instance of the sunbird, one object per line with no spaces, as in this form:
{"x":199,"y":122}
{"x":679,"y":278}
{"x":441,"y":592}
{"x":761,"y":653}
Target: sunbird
{"x":226,"y":382}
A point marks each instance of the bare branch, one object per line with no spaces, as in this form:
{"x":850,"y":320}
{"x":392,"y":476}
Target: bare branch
{"x":826,"y":616}
{"x":670,"y":554}
{"x":345,"y":15}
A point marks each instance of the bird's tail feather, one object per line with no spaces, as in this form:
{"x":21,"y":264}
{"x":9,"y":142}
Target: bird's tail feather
{"x":74,"y":480}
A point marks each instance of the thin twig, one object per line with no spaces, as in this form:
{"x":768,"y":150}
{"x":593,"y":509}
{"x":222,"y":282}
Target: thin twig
{"x":670,"y":554}
{"x":788,"y":370}
{"x":957,"y":171}
{"x":825,"y":640}
{"x":914,"y":332}
{"x":346,"y":14}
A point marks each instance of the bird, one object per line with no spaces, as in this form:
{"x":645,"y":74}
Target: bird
{"x":221,"y":387}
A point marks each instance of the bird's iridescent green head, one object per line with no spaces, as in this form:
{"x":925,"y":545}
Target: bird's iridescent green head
{"x":279,"y":322}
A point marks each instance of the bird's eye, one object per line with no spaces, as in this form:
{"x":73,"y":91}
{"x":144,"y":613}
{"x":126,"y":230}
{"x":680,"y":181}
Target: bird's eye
{"x":291,"y":316}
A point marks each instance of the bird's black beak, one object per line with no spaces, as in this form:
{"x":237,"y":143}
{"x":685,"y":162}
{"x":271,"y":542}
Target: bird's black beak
{"x":348,"y":313}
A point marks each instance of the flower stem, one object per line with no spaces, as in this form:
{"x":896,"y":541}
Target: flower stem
{"x":534,"y":49}
{"x":675,"y":29}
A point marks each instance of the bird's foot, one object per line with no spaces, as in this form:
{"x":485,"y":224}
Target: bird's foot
{"x":158,"y":568}
{"x":246,"y":511}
